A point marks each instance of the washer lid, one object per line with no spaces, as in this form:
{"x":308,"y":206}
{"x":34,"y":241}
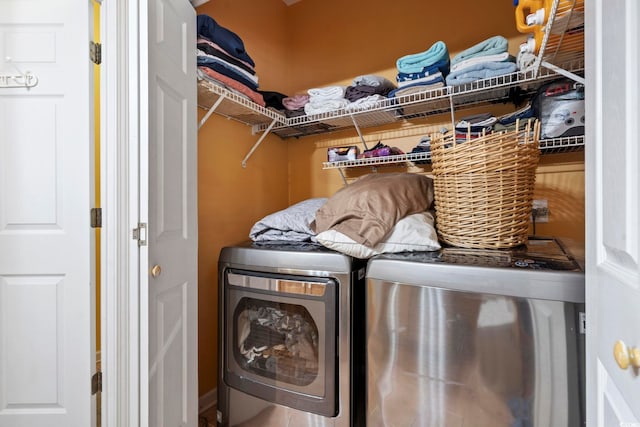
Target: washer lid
{"x":542,"y":269}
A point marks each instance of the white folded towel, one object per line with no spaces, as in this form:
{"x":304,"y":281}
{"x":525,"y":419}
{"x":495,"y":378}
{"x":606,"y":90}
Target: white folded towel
{"x":499,"y":57}
{"x":329,"y":92}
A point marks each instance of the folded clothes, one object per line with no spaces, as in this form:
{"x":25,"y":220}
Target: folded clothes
{"x":354,"y":93}
{"x":295,"y":102}
{"x":272,"y":99}
{"x":416,"y":62}
{"x":229,"y":41}
{"x":206,"y":59}
{"x":211,"y":75}
{"x":215,"y":50}
{"x":425,"y":72}
{"x":482,"y":119}
{"x":498,"y":57}
{"x":490,"y":46}
{"x":329,"y":92}
{"x":375,"y":81}
{"x":480,"y":71}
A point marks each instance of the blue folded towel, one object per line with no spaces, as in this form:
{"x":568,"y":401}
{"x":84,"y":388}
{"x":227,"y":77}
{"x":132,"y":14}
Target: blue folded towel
{"x":441,"y":66}
{"x":416,"y":62}
{"x":481,"y":71}
{"x":491,"y":46}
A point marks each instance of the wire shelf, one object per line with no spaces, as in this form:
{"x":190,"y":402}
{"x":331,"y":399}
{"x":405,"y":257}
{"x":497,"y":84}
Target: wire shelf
{"x":547,"y":146}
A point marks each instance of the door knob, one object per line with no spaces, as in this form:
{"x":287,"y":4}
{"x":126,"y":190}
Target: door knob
{"x":156,"y":270}
{"x":626,"y":356}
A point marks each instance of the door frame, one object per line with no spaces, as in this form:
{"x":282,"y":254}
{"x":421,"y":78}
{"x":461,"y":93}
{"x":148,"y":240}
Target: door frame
{"x":123,"y":304}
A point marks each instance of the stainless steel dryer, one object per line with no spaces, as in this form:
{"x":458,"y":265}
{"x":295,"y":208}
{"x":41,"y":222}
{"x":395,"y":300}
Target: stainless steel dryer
{"x":477,"y":338}
{"x":288,"y":353}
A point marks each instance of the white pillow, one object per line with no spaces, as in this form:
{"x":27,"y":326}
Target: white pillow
{"x":412,"y":233}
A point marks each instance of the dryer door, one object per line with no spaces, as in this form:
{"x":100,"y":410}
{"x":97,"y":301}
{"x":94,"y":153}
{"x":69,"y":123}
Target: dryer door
{"x":280,"y":342}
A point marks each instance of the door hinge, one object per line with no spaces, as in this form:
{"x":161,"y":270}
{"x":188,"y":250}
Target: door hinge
{"x":140,"y":234}
{"x":96,"y":382}
{"x":95,"y":52}
{"x":96,"y":217}
{"x":582,"y":322}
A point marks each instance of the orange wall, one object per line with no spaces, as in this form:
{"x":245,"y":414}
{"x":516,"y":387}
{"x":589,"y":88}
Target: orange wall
{"x":232,"y":198}
{"x":319,"y":42}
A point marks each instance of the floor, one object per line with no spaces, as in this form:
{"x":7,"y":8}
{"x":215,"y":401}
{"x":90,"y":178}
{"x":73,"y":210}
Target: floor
{"x":208,"y":418}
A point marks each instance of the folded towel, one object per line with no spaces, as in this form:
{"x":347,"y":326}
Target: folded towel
{"x":206,"y":59}
{"x":490,"y":46}
{"x":329,"y":92}
{"x":414,"y":63}
{"x":439,"y":67}
{"x":364,"y":103}
{"x":417,"y":87}
{"x":295,"y":102}
{"x":498,"y":57}
{"x":480,"y":71}
{"x":324,"y":106}
{"x":433,"y":78}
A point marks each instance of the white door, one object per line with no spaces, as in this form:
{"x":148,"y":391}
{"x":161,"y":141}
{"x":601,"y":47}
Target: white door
{"x":613,"y":191}
{"x":46,"y":310}
{"x":172,"y":212}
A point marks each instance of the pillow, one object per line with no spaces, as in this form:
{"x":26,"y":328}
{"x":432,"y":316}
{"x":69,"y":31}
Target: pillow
{"x":412,"y":233}
{"x":367,"y":209}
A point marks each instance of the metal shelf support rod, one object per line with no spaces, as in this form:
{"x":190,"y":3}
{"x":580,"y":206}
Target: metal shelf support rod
{"x":258,"y":142}
{"x":344,"y":179}
{"x":359,"y":132}
{"x":211,"y":110}
{"x":563,"y":72}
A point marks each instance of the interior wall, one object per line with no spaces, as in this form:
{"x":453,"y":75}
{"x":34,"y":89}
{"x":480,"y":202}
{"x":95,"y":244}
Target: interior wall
{"x":232,"y":198}
{"x":315,"y":43}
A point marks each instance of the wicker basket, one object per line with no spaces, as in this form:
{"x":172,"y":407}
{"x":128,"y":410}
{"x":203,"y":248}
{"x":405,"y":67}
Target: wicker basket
{"x":484,"y":187}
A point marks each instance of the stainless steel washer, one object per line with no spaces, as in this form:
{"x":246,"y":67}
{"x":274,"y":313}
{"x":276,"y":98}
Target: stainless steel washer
{"x":465,"y":337}
{"x":287,"y":349}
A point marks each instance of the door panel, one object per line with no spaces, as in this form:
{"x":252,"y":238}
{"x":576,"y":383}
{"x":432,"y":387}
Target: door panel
{"x":613,"y":191}
{"x":173,"y":394}
{"x":46,"y":311}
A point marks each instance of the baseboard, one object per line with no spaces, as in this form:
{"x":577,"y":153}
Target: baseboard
{"x":208,"y":400}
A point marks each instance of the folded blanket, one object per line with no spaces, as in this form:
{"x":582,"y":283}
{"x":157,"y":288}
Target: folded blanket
{"x":416,"y":62}
{"x":490,"y":46}
{"x":329,"y":92}
{"x":291,"y":224}
{"x":480,"y":71}
{"x":229,"y":41}
{"x":498,"y":57}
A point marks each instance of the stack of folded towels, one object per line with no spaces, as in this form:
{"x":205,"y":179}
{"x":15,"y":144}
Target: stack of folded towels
{"x":422,"y":71}
{"x":486,"y":59}
{"x":472,"y":127}
{"x":222,"y":58}
{"x":325,"y":100}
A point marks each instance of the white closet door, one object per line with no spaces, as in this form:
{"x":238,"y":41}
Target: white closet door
{"x":613,"y":192}
{"x":172,"y":213}
{"x":46,"y":310}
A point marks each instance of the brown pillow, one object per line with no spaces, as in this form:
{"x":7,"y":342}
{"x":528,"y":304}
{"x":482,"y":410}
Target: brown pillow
{"x":367,"y":209}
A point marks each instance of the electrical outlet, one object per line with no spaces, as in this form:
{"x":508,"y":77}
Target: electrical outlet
{"x":540,"y":210}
